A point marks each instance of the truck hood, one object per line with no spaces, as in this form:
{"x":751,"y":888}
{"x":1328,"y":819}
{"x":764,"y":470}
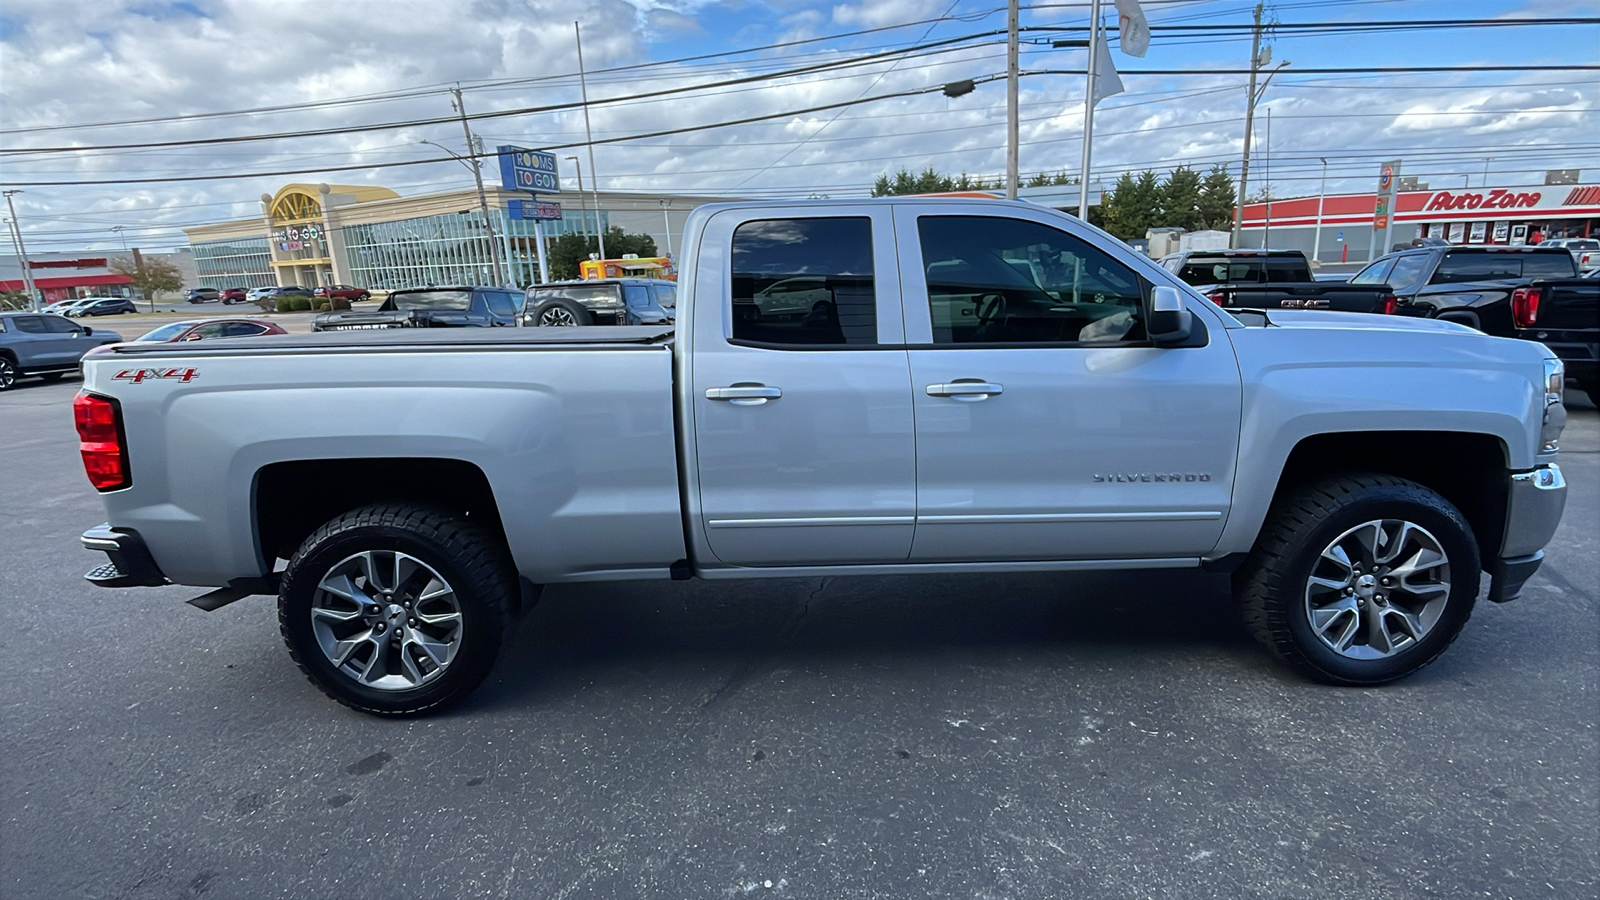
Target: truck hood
{"x":1343,"y":321}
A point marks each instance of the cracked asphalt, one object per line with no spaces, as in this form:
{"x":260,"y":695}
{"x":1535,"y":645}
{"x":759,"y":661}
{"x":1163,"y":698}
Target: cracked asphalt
{"x":1018,"y":736}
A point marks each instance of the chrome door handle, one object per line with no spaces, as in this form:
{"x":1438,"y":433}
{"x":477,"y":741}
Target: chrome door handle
{"x":744,"y":394}
{"x":968,"y":391}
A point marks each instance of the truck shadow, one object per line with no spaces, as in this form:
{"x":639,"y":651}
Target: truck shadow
{"x":580,"y":634}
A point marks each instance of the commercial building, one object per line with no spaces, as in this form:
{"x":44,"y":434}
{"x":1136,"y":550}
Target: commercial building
{"x":66,"y":276}
{"x":1511,"y":215}
{"x":315,"y":234}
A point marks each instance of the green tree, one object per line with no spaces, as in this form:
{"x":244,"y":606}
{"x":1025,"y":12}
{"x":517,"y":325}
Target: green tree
{"x":13,"y":300}
{"x":1217,"y":196}
{"x":1180,"y":199}
{"x":568,"y":250}
{"x":150,"y":276}
{"x":1133,"y":206}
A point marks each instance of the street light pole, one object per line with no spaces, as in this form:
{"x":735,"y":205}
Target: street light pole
{"x":1322,"y":198}
{"x":477,"y":177}
{"x":666,"y":223}
{"x":588,"y":137}
{"x":22,"y":250}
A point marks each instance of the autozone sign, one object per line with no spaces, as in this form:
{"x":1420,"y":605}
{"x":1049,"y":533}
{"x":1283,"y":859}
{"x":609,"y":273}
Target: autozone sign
{"x":1583,"y":196}
{"x":137,"y":376}
{"x":1499,"y":198}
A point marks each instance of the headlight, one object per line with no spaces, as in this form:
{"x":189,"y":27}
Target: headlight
{"x":1555,"y":412}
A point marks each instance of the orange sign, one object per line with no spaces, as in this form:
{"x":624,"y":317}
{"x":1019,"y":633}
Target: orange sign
{"x":1380,"y":222}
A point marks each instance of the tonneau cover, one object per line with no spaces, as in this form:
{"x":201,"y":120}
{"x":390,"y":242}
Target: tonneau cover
{"x":395,"y":339}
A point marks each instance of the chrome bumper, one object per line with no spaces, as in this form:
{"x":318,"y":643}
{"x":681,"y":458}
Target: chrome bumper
{"x":1533,"y":510}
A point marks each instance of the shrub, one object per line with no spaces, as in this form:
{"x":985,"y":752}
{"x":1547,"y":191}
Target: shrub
{"x":300,"y":304}
{"x":322,"y":306}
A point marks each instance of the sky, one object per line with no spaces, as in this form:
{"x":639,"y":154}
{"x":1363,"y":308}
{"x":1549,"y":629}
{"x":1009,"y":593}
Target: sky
{"x":243,"y":69}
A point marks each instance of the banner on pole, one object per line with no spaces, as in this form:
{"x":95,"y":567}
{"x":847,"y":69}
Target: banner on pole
{"x":1132,"y":29}
{"x":1106,"y":82}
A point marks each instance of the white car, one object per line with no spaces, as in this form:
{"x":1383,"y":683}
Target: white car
{"x":1585,"y":251}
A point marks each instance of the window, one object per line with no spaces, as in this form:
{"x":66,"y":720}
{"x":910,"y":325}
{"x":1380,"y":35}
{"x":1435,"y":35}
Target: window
{"x":500,"y":303}
{"x":600,"y":296}
{"x":241,"y":329}
{"x":1373,"y":274}
{"x":666,"y":295}
{"x":210,"y":331}
{"x":31,"y":324}
{"x":995,"y":280}
{"x":1244,"y":270}
{"x":1408,"y":271}
{"x":637,"y":296}
{"x":1491,"y":265}
{"x":804,"y":282}
{"x":60,"y":325}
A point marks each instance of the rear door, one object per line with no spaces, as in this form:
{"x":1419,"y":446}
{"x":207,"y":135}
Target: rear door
{"x":1048,"y":427}
{"x":802,"y":423}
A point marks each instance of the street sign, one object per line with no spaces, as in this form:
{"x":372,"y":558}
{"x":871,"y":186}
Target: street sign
{"x":1340,"y":236}
{"x":527,"y":170}
{"x":534,"y":210}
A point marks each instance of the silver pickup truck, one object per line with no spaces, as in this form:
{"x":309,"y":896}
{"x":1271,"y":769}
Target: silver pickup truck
{"x":902,"y":386}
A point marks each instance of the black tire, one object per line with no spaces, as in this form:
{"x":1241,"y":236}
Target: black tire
{"x":471,"y":561}
{"x":578,"y":313}
{"x":1273,"y":588}
{"x":8,"y":373}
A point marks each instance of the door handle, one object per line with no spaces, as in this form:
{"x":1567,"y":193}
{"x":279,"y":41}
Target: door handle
{"x":966,"y":390}
{"x":744,"y":394}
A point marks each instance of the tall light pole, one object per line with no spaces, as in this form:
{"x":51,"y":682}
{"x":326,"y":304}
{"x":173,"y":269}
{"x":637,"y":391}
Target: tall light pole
{"x":666,"y":223}
{"x":22,"y":250}
{"x":1322,"y":198}
{"x":1011,"y":98}
{"x":1486,"y":161}
{"x":477,"y":177}
{"x":124,"y":237}
{"x":583,"y":202}
{"x":588,"y":137}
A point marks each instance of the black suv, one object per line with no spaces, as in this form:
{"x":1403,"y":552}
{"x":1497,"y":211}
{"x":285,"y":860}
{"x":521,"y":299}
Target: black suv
{"x":450,"y":306}
{"x":606,"y":301}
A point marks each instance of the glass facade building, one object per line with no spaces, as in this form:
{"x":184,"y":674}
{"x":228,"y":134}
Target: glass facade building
{"x":242,"y":262}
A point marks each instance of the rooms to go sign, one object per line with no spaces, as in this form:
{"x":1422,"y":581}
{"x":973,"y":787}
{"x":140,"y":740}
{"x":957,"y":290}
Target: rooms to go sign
{"x":527,"y":170}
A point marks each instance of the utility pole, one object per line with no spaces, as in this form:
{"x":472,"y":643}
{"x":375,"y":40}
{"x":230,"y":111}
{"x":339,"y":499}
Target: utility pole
{"x":1012,"y":54}
{"x":1249,"y":120}
{"x":666,"y":222}
{"x":22,"y":250}
{"x":1266,"y":168}
{"x":483,"y":199}
{"x":583,"y":202}
{"x":1322,"y":199}
{"x":588,"y":137}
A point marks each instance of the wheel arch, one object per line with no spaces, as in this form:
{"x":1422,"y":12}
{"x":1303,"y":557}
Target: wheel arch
{"x":291,"y":499}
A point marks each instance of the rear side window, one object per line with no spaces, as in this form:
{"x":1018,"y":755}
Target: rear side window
{"x":1488,"y":266}
{"x":30,"y":324}
{"x":666,"y":295}
{"x":804,"y":282}
{"x":1377,"y":273}
{"x":1407,"y":272}
{"x":500,"y":303}
{"x":1549,"y":265}
{"x":636,"y":295}
{"x":59,"y":325}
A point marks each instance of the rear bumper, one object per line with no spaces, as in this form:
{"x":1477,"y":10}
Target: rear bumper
{"x":129,"y":563}
{"x":1533,"y":511}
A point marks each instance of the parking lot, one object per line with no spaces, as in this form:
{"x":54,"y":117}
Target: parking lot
{"x":1005,"y":736}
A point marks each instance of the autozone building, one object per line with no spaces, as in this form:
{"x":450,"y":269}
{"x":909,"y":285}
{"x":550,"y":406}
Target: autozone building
{"x":1512,"y":215}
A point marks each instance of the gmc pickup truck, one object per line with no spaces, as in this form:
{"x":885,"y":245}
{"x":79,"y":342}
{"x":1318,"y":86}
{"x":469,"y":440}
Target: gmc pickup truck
{"x":1469,"y":285}
{"x":970,"y":386}
{"x":1272,"y":279}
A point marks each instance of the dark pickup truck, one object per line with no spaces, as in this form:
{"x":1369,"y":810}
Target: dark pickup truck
{"x":1564,"y":315}
{"x":1272,"y":279}
{"x":1469,"y":285}
{"x":454,"y":306}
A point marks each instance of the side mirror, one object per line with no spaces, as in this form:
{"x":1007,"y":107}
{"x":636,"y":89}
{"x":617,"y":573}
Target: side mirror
{"x":1170,"y":322}
{"x":87,"y":331}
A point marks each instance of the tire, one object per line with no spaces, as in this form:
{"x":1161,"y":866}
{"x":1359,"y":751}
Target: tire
{"x":8,"y":373}
{"x":561,"y":313}
{"x":466,"y":585}
{"x":1388,"y":628}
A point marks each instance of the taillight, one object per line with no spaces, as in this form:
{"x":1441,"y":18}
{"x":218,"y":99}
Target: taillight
{"x":1388,"y":305}
{"x":105,"y":457}
{"x":1525,"y":306}
{"x":1217,"y":297}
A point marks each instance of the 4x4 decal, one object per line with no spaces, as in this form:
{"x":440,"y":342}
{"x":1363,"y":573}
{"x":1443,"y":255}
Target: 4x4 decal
{"x":134,"y":376}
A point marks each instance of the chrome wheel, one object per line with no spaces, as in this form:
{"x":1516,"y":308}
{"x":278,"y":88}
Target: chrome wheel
{"x":386,"y":620}
{"x":1377,"y":589}
{"x":8,"y":374}
{"x":558,"y":316}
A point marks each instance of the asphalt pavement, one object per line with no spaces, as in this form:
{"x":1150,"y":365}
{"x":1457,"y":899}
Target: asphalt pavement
{"x":1017,"y":736}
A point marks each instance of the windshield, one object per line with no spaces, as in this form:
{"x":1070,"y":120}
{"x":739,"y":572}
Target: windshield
{"x":165,"y":332}
{"x":429,"y":300}
{"x":1488,"y":266}
{"x":1244,"y":270}
{"x":583,"y":293}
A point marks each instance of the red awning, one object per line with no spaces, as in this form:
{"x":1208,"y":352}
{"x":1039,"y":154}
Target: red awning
{"x":70,"y":281}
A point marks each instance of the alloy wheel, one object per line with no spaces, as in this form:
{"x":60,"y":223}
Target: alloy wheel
{"x":558,"y":316}
{"x":386,"y":620}
{"x":1377,"y":589}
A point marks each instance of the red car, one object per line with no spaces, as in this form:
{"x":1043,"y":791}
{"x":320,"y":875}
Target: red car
{"x":233,"y":295}
{"x":210,"y":330}
{"x":344,"y":292}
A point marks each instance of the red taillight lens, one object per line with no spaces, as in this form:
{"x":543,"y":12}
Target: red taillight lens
{"x":1525,"y":306}
{"x":105,"y":459}
{"x":1389,"y":305}
{"x":1217,"y":297}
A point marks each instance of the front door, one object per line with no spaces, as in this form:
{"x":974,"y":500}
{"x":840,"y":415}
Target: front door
{"x":1048,"y":427}
{"x":802,"y":416}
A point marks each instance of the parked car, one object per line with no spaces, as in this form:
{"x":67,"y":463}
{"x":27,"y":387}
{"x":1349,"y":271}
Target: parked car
{"x":1469,"y":285}
{"x":102,"y":306}
{"x":44,"y":345}
{"x":1585,"y":251}
{"x":431,"y":307}
{"x":938,"y":410}
{"x":58,"y":308}
{"x":611,"y":301}
{"x":1272,"y":279}
{"x":344,"y":291}
{"x":259,"y":293}
{"x":202,"y":295}
{"x":234,"y":295}
{"x":210,"y":330}
{"x":1564,"y":315}
{"x":272,"y":292}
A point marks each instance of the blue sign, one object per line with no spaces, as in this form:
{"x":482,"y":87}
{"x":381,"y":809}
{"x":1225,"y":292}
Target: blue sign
{"x":1340,"y":237}
{"x":527,"y":170}
{"x":533,"y":209}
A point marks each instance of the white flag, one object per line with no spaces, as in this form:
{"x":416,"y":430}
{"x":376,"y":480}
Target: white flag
{"x":1134,"y":30}
{"x":1106,"y":82}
